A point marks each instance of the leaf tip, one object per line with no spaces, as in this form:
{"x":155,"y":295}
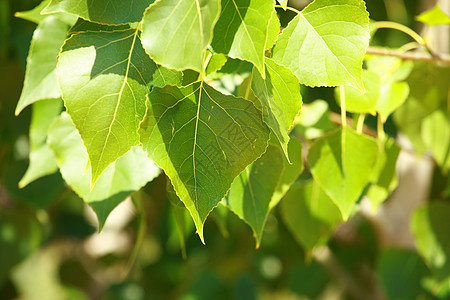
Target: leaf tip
{"x":200,"y":235}
{"x":93,"y":181}
{"x":21,"y":184}
{"x":18,"y":110}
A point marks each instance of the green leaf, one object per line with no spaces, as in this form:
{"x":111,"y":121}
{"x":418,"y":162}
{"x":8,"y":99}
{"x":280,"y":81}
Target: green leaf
{"x":389,"y":68}
{"x":202,"y":139}
{"x":40,"y":77}
{"x":313,"y":121}
{"x":392,"y":96}
{"x":280,"y":97}
{"x":273,"y":30}
{"x":291,"y":172}
{"x":430,"y":229}
{"x":436,"y":136}
{"x":42,"y":159}
{"x":393,"y":91}
{"x":384,"y":178}
{"x":324,"y":45}
{"x":251,"y":192}
{"x":310,"y":215}
{"x":257,"y":190}
{"x":104,"y":78}
{"x":176,"y":32}
{"x":34,"y":15}
{"x":362,"y":102}
{"x":434,"y":16}
{"x":82,"y":26}
{"x":283,"y":3}
{"x":342,"y":163}
{"x":242,"y":30}
{"x":118,"y":181}
{"x":112,"y":12}
{"x":216,"y":62}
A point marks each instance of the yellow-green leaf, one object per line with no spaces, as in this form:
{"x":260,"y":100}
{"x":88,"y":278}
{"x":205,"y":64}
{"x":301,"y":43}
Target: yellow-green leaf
{"x":342,"y":164}
{"x":324,"y":45}
{"x":176,"y":32}
{"x":104,"y":78}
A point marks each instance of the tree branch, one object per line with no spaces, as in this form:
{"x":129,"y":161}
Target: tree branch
{"x":416,"y":56}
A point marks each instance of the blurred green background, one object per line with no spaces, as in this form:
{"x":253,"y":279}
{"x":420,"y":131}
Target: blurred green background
{"x":50,"y":248}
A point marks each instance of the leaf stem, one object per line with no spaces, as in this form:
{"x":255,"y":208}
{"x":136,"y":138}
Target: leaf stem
{"x":343,"y":110}
{"x":288,"y":8}
{"x":408,"y":47}
{"x":360,"y":124}
{"x":205,"y":65}
{"x":402,"y":28}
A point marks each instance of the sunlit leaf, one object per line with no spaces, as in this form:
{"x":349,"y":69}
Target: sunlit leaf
{"x":280,"y":97}
{"x":202,"y":139}
{"x":362,"y":102}
{"x":176,"y":33}
{"x":40,"y":77}
{"x":342,"y":163}
{"x":310,"y":215}
{"x":34,"y":15}
{"x":82,"y":26}
{"x":216,"y":62}
{"x":324,"y":45}
{"x":242,"y":30}
{"x":283,"y":3}
{"x":393,"y":90}
{"x":392,"y":96}
{"x":389,"y":68}
{"x":42,"y":159}
{"x":112,"y":12}
{"x":104,"y":78}
{"x":434,"y":16}
{"x":313,"y":121}
{"x":128,"y":174}
{"x":273,"y":30}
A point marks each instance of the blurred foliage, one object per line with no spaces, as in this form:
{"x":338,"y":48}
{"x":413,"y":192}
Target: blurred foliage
{"x":50,"y":247}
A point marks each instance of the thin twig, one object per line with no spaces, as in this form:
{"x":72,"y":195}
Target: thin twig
{"x":416,"y":56}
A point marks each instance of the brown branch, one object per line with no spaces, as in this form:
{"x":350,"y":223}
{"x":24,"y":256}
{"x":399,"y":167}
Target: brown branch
{"x":416,"y":56}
